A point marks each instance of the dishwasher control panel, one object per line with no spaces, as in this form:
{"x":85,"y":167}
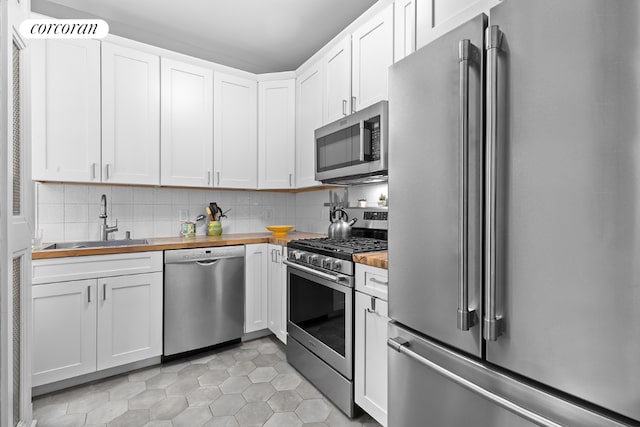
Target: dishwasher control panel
{"x":202,"y":254}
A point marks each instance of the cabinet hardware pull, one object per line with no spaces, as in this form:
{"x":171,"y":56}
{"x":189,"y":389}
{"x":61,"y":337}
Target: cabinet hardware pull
{"x":290,"y":180}
{"x":108,"y":175}
{"x":218,"y":177}
{"x":93,"y":171}
{"x":380,"y":282}
{"x":208,"y":177}
{"x":353,"y":104}
{"x":104,"y":291}
{"x":344,"y":107}
{"x":89,"y":293}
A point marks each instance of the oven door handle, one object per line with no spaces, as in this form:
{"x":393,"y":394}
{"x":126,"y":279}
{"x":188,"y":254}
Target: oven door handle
{"x":335,"y":279}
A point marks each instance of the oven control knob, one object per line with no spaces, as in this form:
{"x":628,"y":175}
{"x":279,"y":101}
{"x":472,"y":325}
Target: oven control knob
{"x":325,"y":263}
{"x":296,"y":255}
{"x":313,"y":259}
{"x":337,"y":265}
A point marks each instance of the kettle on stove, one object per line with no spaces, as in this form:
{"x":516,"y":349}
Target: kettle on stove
{"x":340,"y":228}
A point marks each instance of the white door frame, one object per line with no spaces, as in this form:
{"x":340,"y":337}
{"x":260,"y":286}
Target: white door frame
{"x":15,"y":230}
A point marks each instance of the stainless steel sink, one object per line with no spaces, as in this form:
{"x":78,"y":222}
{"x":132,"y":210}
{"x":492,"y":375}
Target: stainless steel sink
{"x":96,"y":244}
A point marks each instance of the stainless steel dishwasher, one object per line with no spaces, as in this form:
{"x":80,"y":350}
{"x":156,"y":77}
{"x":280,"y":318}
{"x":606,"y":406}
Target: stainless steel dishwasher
{"x":203,"y":297}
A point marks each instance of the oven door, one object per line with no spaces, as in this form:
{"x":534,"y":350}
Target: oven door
{"x":321,"y":315}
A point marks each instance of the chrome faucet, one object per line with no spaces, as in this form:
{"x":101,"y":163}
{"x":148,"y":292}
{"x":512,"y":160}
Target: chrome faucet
{"x":104,"y":228}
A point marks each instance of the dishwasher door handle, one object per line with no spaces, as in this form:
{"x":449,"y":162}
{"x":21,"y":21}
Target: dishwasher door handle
{"x":205,"y":263}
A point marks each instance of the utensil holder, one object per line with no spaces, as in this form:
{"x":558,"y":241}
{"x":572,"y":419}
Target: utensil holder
{"x":214,"y":228}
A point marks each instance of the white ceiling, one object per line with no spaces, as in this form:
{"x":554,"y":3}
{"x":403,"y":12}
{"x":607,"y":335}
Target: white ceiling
{"x":259,"y":36}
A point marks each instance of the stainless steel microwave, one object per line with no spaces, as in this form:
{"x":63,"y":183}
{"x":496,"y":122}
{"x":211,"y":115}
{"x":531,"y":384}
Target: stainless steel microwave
{"x":354,"y":149}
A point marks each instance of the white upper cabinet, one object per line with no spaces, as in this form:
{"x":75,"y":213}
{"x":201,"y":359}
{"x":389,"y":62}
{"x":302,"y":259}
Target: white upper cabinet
{"x":308,"y":119}
{"x":66,"y":110}
{"x":372,"y":45}
{"x":404,"y":39}
{"x":276,"y":134}
{"x":337,"y":80}
{"x":235,"y":129}
{"x":130,"y":116}
{"x":186,"y":124}
{"x":436,"y":17}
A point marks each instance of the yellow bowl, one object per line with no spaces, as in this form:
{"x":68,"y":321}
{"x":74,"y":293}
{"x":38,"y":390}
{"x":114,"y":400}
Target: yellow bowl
{"x":279,"y":230}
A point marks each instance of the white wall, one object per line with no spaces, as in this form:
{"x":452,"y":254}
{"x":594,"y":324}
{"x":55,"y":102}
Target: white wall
{"x":69,"y":212}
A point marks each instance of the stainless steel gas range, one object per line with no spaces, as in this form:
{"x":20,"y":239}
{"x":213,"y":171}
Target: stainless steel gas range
{"x":320,"y":279}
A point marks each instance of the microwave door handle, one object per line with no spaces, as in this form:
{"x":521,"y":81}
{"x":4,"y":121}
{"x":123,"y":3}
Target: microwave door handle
{"x":361,"y":157}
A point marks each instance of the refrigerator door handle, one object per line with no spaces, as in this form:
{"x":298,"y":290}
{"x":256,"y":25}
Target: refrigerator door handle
{"x":402,"y":345}
{"x":466,"y":318}
{"x":493,"y":324}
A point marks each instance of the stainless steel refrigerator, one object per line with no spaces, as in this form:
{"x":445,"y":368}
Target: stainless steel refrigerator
{"x":514,"y":233}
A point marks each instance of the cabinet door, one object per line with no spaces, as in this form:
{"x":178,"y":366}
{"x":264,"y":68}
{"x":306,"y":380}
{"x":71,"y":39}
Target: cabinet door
{"x":276,"y":134}
{"x":372,"y":45}
{"x":277,"y":293}
{"x":129,"y":319}
{"x":186,"y":124}
{"x":235,"y":131}
{"x":436,"y":17}
{"x":404,"y":28}
{"x":256,"y":287}
{"x":371,"y":356}
{"x":130,"y":116}
{"x":64,"y":330}
{"x":66,"y":110}
{"x":337,"y":81}
{"x":308,"y":118}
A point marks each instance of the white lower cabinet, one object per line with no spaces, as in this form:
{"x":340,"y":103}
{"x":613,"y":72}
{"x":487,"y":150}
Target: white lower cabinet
{"x":277,"y":292}
{"x":255,"y":287}
{"x":106,"y":319}
{"x":371,"y":319}
{"x":129,"y":312}
{"x":64,"y":330}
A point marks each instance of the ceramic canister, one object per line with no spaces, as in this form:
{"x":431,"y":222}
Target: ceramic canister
{"x":214,"y":228}
{"x":188,"y":229}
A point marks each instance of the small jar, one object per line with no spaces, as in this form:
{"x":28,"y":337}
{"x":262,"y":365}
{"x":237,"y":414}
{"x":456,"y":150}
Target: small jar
{"x":214,"y":228}
{"x":188,"y":229}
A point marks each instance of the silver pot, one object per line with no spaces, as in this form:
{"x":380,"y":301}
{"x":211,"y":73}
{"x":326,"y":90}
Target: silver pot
{"x":340,"y":228}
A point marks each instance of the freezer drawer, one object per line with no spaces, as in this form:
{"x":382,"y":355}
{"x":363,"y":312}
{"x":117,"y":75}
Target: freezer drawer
{"x":427,"y":381}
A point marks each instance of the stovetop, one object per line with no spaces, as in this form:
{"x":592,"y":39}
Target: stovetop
{"x":339,"y":248}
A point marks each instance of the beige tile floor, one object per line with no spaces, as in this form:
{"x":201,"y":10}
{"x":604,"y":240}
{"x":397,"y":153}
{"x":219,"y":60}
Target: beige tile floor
{"x":248,"y":384}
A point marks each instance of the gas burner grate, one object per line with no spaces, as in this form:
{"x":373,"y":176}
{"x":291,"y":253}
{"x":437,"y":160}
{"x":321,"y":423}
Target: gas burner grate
{"x":353,"y":245}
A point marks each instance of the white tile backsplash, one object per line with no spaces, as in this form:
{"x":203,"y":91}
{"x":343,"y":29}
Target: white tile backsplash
{"x":68,"y":212}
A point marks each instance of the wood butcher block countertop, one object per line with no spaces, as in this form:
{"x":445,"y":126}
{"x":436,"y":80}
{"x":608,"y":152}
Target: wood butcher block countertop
{"x":375,"y":259}
{"x":167,"y":243}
